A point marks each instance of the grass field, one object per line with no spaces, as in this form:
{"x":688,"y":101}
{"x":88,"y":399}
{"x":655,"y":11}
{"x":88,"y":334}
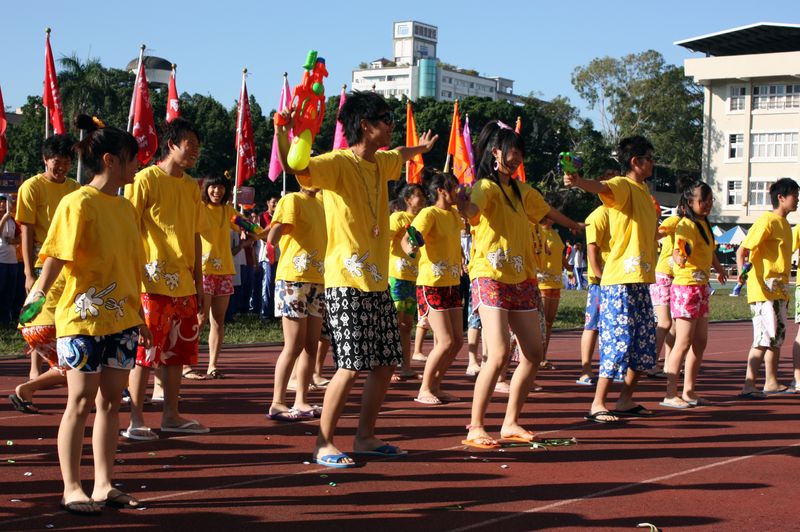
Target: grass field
{"x":249,"y":329}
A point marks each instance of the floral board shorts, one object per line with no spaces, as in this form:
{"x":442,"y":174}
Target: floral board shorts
{"x":299,"y":300}
{"x":521,"y":297}
{"x":403,"y":295}
{"x":364,"y":332}
{"x":627,"y":330}
{"x":41,"y":339}
{"x":769,"y":323}
{"x":689,"y":302}
{"x":438,"y":298}
{"x":173,"y":322}
{"x":217,"y":285}
{"x":660,"y":290}
{"x":592,"y":308}
{"x":88,"y":354}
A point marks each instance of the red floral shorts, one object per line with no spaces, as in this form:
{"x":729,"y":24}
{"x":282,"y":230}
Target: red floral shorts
{"x":173,"y":322}
{"x":438,"y":298}
{"x":41,"y":339}
{"x":520,"y":297}
{"x":217,"y":285}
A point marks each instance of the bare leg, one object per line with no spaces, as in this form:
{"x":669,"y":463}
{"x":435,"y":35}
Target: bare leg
{"x":419,"y":339}
{"x":600,"y":398}
{"x":694,"y":358}
{"x":203,"y":315}
{"x":172,"y":388}
{"x":216,"y":333}
{"x":446,"y":326}
{"x":474,"y":364}
{"x":771,"y":361}
{"x":49,"y":379}
{"x":796,"y":360}
{"x":294,"y":334}
{"x":81,"y":391}
{"x":550,"y":311}
{"x":526,"y":326}
{"x":106,"y":427}
{"x":36,"y":366}
{"x":754,"y":360}
{"x":332,"y":407}
{"x":495,"y":334}
{"x":405,"y":322}
{"x":371,"y":401}
{"x":137,"y":385}
{"x":322,"y":353}
{"x":588,"y":341}
{"x":665,"y":332}
{"x":305,"y":362}
{"x":684,"y":337}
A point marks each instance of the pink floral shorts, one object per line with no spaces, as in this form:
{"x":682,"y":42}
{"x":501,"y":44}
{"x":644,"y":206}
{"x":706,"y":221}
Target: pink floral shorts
{"x":660,"y":290}
{"x":218,"y":285}
{"x":690,"y":302}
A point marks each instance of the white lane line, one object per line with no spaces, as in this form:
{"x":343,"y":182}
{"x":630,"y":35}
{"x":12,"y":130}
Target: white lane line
{"x":603,"y":493}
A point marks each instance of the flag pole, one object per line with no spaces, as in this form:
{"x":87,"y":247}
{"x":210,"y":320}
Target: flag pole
{"x":275,"y":139}
{"x":135,"y":83}
{"x":238,"y":140}
{"x":47,"y":109}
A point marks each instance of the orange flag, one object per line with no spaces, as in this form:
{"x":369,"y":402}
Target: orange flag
{"x":520,"y":173}
{"x":462,"y":168}
{"x":415,"y":165}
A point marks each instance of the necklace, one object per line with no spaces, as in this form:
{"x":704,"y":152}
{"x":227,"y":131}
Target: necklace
{"x":372,"y":207}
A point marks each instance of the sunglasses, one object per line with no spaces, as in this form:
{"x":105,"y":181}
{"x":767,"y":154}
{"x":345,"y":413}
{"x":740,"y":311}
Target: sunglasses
{"x":386,"y":118}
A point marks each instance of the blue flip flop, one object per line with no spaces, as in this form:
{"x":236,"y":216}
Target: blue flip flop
{"x":591,"y":381}
{"x":333,"y":460}
{"x":386,"y":450}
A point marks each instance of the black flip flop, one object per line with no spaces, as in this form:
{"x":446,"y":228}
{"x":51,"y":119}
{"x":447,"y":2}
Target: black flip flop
{"x":596,"y":417}
{"x":26,"y":407}
{"x":74,"y":507}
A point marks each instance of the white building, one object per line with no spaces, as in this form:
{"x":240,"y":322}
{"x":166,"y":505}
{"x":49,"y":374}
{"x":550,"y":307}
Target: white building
{"x":416,"y":72}
{"x":751,"y":114}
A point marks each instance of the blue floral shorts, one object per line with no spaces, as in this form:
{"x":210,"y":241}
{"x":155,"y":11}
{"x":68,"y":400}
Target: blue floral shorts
{"x":592,"y":308}
{"x":627,"y":330}
{"x":88,"y":354}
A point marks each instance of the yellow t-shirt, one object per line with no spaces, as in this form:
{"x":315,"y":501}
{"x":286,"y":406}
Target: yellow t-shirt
{"x":37,"y":200}
{"x":697,"y":270}
{"x":503,"y":247}
{"x":401,"y":266}
{"x":632,"y":225}
{"x":171,"y":214}
{"x":356,"y":202}
{"x":97,"y":235}
{"x":770,"y":243}
{"x":597,"y":234}
{"x":795,"y":238}
{"x":216,"y":239}
{"x":440,"y":257}
{"x":665,"y":262}
{"x":552,"y":266}
{"x":538,"y":251}
{"x":302,"y":257}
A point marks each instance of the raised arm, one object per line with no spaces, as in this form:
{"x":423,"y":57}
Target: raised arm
{"x":426,"y":142}
{"x":589,"y":185}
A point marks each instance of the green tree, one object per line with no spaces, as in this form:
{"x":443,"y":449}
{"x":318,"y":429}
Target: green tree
{"x":642,"y":94}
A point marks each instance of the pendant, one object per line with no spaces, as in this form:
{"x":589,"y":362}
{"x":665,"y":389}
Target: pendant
{"x":376,"y":230}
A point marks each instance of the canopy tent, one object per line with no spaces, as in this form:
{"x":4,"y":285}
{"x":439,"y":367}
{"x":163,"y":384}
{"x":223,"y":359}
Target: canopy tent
{"x":733,"y":236}
{"x":717,"y":230}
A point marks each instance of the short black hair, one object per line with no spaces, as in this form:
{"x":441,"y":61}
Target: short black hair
{"x":360,"y":106}
{"x":219,"y":180}
{"x":630,"y":147}
{"x":58,"y":146}
{"x":176,"y":131}
{"x":785,"y":186}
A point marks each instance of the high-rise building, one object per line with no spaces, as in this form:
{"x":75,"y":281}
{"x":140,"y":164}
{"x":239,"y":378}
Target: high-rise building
{"x":416,"y":71}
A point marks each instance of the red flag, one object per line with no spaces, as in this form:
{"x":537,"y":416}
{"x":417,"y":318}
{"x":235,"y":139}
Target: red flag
{"x":520,"y":173}
{"x":173,"y":103}
{"x":3,"y":123}
{"x":51,"y":98}
{"x":144,"y":127}
{"x":246,"y":155}
{"x":462,"y":168}
{"x":415,"y":165}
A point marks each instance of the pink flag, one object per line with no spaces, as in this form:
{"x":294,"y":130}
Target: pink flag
{"x":468,"y":142}
{"x":339,"y":140}
{"x":3,"y":141}
{"x":173,"y":103}
{"x":144,"y":127}
{"x":275,"y":167}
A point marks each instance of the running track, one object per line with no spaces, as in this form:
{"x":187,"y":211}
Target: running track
{"x":726,"y":467}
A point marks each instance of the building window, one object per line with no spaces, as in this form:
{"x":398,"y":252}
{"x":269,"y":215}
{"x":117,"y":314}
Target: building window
{"x":774,"y":146}
{"x":776,"y":97}
{"x":734,"y":196}
{"x":736,"y":98}
{"x":759,"y":194}
{"x":736,"y":146}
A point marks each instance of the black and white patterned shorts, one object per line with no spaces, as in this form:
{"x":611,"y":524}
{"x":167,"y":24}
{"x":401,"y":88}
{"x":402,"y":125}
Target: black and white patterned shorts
{"x":363,"y":326}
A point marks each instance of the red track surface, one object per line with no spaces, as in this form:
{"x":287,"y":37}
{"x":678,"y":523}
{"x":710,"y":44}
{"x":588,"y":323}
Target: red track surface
{"x":726,"y":467}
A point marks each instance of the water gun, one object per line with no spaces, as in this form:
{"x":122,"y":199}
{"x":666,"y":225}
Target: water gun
{"x":684,"y":249}
{"x":32,"y":309}
{"x":415,"y":238}
{"x":746,"y":267}
{"x":308,"y":102}
{"x":569,"y":163}
{"x":246,"y":225}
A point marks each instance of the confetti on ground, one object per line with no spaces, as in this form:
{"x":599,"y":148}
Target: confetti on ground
{"x":651,"y":526}
{"x":504,"y":466}
{"x":323,"y":476}
{"x":11,"y":461}
{"x":9,"y":442}
{"x":151,"y":453}
{"x":143,"y":486}
{"x":49,"y":525}
{"x":333,"y":484}
{"x":454,"y":507}
{"x":28,"y":474}
{"x":167,"y":466}
{"x":16,"y":500}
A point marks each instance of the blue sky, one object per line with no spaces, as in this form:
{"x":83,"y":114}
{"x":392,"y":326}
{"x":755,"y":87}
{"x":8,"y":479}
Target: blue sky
{"x":536,"y":43}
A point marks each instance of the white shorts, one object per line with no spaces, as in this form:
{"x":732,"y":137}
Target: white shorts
{"x":769,"y":323}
